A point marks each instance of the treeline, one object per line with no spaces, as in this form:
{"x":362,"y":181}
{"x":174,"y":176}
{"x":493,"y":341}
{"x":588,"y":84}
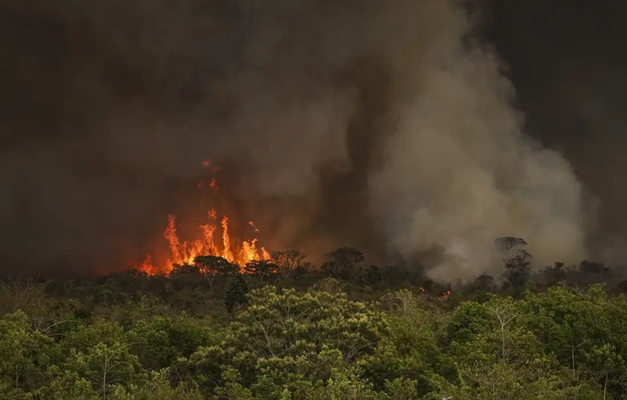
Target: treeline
{"x":284,"y":329}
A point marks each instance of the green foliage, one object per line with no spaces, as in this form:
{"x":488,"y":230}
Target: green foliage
{"x":283,"y":339}
{"x":518,"y":270}
{"x":25,"y":356}
{"x":369,"y":275}
{"x":236,"y":294}
{"x":409,"y":352}
{"x":204,"y":333}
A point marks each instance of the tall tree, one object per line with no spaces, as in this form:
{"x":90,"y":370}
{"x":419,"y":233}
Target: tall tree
{"x":341,"y":262}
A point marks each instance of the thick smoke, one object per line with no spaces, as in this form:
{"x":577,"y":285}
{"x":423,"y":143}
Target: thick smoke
{"x":457,"y":171}
{"x":571,"y":78}
{"x":377,"y":124}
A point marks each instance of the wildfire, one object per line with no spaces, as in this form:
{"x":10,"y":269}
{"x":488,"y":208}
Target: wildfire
{"x":445,"y":295}
{"x":184,"y":252}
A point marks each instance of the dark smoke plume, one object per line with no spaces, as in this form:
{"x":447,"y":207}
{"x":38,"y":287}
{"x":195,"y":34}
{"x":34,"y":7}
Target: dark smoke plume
{"x":385,"y":125}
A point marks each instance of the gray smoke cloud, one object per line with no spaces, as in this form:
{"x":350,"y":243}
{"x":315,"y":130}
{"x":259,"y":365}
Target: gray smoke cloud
{"x":376,"y":124}
{"x":458,"y":172}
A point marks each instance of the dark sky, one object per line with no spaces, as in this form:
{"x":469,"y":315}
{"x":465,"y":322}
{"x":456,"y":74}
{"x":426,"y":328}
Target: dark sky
{"x":81,"y":84}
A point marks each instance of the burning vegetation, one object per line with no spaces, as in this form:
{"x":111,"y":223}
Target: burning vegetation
{"x":215,"y":241}
{"x":215,"y":253}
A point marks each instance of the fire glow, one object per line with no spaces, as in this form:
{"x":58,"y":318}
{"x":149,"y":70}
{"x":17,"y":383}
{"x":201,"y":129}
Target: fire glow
{"x":185,"y":252}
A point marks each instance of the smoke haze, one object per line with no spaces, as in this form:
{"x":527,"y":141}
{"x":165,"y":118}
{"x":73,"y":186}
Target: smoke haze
{"x":385,"y":125}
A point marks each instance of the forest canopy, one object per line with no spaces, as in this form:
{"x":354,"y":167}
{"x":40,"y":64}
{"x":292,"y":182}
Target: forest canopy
{"x":286,"y":329}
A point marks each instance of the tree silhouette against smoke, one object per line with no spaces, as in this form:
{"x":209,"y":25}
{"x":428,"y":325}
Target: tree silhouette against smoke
{"x":510,"y":247}
{"x":342,"y":261}
{"x":516,"y":260}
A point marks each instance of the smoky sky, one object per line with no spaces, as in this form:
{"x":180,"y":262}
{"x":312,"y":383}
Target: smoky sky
{"x":391,"y":126}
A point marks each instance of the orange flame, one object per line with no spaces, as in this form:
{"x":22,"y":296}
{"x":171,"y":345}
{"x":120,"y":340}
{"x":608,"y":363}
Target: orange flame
{"x":185,"y":252}
{"x":226,"y":241}
{"x":147,"y":266}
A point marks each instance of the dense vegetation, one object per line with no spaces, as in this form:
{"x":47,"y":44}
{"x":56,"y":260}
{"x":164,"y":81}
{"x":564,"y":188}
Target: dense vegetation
{"x":286,"y":330}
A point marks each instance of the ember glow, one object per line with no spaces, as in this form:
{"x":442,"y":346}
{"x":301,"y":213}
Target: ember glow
{"x":184,"y":252}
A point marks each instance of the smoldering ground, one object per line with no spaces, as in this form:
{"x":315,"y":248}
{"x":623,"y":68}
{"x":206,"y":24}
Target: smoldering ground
{"x":387,"y":126}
